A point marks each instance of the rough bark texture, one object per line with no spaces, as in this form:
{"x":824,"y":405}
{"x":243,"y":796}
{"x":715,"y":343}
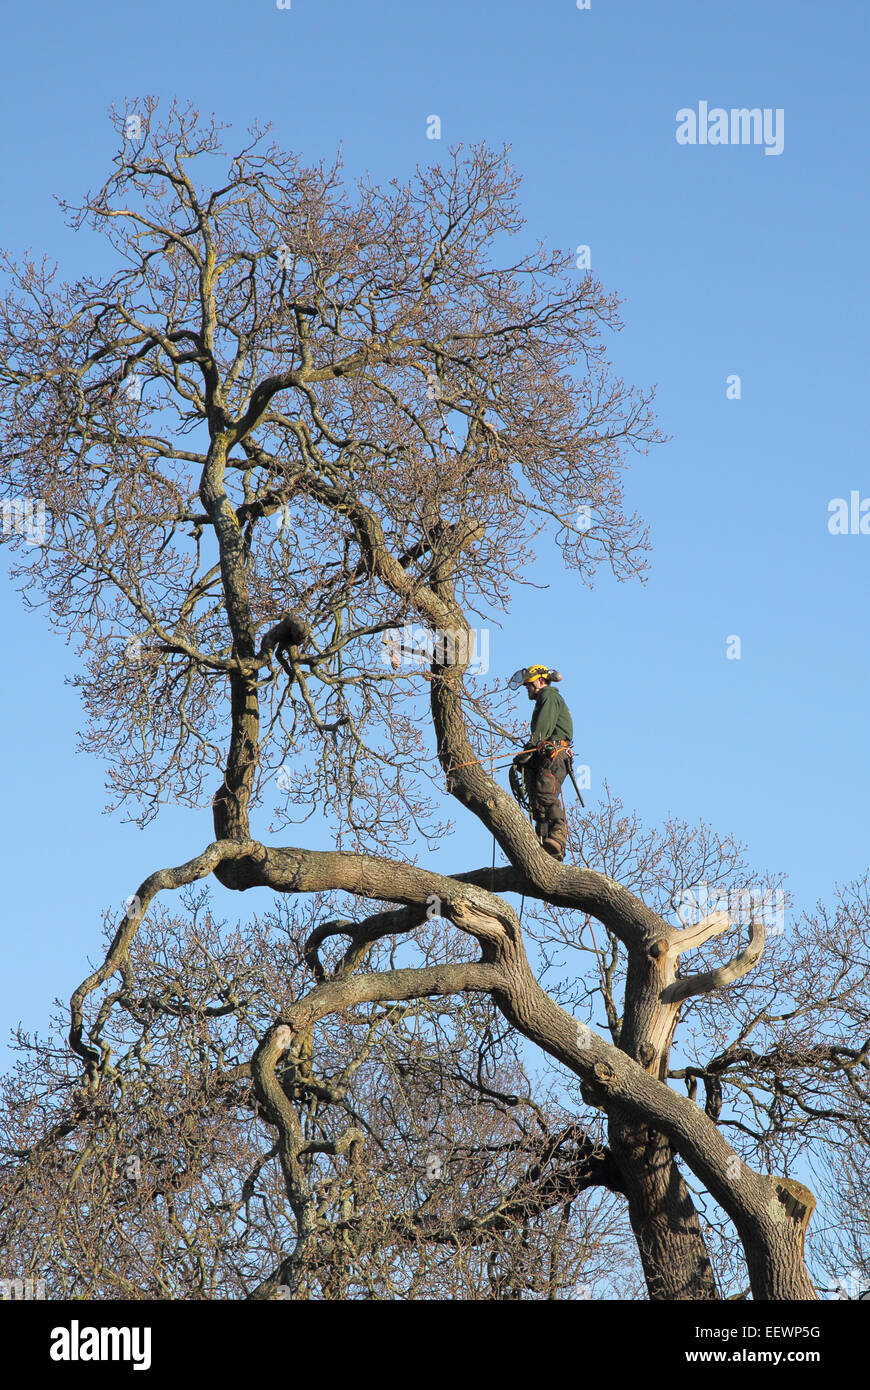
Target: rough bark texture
{"x":663,"y":1217}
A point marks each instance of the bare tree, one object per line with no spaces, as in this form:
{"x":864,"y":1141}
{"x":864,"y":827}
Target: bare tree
{"x":429,"y":1166}
{"x":287,"y":421}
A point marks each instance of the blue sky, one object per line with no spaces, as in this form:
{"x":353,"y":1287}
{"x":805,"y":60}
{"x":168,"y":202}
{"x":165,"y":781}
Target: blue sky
{"x":728,"y":260}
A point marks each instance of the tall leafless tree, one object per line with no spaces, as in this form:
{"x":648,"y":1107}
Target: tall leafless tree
{"x":287,"y":420}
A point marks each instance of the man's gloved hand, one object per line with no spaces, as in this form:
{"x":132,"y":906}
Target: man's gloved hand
{"x":523,"y":757}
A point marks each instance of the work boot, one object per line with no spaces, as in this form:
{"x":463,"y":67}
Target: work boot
{"x":542,"y":829}
{"x":554,"y":841}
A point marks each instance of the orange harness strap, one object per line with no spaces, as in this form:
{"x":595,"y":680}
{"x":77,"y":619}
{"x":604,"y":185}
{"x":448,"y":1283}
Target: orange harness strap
{"x":555,"y":748}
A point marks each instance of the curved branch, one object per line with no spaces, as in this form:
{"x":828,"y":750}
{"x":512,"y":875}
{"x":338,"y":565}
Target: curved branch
{"x":706,"y":980}
{"x":218,"y":852}
{"x":691,"y":937}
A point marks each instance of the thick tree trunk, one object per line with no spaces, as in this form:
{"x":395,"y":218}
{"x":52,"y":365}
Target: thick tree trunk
{"x":230,"y":802}
{"x":660,"y":1208}
{"x":662,"y":1215}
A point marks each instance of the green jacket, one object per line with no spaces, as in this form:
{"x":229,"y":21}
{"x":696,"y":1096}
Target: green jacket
{"x":551,"y":718}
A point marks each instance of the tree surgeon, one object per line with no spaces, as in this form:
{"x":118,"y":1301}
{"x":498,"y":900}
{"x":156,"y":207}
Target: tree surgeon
{"x":546,"y":758}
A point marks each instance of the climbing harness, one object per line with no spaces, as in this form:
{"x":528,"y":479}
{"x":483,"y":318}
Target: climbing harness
{"x":550,"y":749}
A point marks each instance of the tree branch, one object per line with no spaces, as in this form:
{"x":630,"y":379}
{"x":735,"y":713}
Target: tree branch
{"x":706,"y":980}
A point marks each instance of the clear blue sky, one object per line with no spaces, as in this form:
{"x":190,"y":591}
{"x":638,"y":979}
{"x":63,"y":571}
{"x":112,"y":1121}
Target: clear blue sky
{"x":729,"y":261}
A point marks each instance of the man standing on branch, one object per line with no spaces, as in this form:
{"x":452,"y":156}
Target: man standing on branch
{"x":545,"y":759}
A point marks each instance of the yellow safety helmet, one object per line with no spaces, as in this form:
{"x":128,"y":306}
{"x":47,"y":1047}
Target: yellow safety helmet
{"x":532,"y":673}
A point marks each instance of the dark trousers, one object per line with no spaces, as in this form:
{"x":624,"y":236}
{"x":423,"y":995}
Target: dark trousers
{"x":543,"y":778}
